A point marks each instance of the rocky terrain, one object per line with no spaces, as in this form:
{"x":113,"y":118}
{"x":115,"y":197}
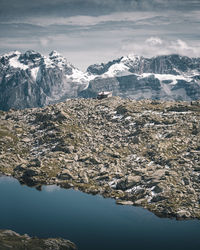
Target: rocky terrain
{"x":31,"y":79}
{"x":12,"y":240}
{"x":144,"y":153}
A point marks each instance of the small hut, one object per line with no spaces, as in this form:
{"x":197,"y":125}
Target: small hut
{"x":104,"y":94}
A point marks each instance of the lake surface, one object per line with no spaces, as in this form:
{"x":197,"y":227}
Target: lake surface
{"x":92,"y":222}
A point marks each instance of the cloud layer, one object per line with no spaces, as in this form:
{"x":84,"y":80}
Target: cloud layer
{"x":91,"y":7}
{"x":90,"y":31}
{"x":156,"y":46}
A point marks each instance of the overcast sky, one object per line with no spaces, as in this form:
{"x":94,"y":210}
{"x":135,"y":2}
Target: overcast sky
{"x":92,"y":31}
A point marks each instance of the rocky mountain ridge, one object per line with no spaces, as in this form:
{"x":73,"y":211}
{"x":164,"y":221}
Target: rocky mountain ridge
{"x":144,"y":153}
{"x":170,"y":77}
{"x":32,"y":80}
{"x":167,"y":64}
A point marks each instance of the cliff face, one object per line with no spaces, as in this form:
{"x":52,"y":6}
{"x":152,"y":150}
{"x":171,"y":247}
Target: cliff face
{"x":125,"y":86}
{"x":32,"y":80}
{"x":168,"y":64}
{"x":170,"y":77}
{"x":146,"y":87}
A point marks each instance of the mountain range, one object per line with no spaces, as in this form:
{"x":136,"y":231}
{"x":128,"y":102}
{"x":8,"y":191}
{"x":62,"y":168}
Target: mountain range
{"x":31,"y":79}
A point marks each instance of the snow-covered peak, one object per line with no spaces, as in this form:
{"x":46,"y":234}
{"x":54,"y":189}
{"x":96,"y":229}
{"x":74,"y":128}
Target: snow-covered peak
{"x":80,"y":77}
{"x":54,"y":53}
{"x":14,"y":62}
{"x":56,"y":59}
{"x":31,"y":58}
{"x":131,"y":57}
{"x":29,"y":53}
{"x":11,"y":54}
{"x":117,"y":69}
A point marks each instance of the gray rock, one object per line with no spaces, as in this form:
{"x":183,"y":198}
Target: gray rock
{"x":128,"y":182}
{"x":65,"y":175}
{"x":122,"y":202}
{"x":12,"y":240}
{"x":183,"y":214}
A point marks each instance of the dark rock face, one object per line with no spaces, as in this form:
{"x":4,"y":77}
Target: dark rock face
{"x":99,"y":69}
{"x":171,"y":77}
{"x":32,"y":80}
{"x":125,"y":86}
{"x":145,"y":88}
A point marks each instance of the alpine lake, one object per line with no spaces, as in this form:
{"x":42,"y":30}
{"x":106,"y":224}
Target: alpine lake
{"x":91,"y":222}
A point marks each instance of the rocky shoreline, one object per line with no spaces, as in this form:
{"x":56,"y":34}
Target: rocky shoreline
{"x":12,"y":240}
{"x":144,"y":153}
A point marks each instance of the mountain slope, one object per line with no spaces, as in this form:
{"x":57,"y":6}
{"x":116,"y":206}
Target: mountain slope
{"x":170,"y":77}
{"x":33,"y":80}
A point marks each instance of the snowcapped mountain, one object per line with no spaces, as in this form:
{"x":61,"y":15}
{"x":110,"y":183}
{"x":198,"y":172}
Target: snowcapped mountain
{"x":170,"y":77}
{"x":168,"y":64}
{"x":32,"y":80}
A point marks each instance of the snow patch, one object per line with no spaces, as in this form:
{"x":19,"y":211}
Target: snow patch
{"x":135,"y":188}
{"x":117,"y":117}
{"x":54,"y":53}
{"x":12,"y":53}
{"x":34,"y":73}
{"x":15,"y":63}
{"x":167,"y":77}
{"x":117,"y":69}
{"x":48,"y":62}
{"x":149,"y":124}
{"x":131,"y":57}
{"x":80,"y":77}
{"x":113,"y":183}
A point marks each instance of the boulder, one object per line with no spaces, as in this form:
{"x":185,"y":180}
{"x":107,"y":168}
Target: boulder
{"x":65,"y":175}
{"x":122,"y":202}
{"x":128,"y":182}
{"x":182,"y":214}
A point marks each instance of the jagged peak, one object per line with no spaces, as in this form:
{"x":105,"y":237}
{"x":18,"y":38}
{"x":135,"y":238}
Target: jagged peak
{"x":57,"y":57}
{"x":31,"y":52}
{"x":131,"y":57}
{"x":54,"y":53}
{"x":11,"y":54}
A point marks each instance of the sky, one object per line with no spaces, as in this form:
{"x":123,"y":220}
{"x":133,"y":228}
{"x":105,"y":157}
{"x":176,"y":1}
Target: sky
{"x":95,"y":31}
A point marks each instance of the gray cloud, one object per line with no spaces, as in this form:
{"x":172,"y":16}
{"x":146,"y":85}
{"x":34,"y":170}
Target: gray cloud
{"x":90,"y":31}
{"x":18,"y":9}
{"x":153,"y":46}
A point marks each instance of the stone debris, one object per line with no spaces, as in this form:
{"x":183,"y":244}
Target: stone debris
{"x":144,"y":153}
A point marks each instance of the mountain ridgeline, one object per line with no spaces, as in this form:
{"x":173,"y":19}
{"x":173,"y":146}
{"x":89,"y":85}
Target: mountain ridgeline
{"x":32,"y":80}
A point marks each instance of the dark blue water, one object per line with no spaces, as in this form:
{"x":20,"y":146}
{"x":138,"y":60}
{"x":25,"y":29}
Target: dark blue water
{"x":92,"y":222}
